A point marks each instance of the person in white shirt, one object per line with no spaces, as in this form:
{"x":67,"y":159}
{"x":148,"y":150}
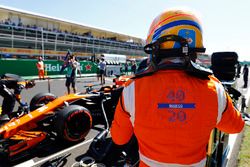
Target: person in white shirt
{"x":102,"y":66}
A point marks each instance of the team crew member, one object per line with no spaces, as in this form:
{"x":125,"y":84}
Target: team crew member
{"x":102,"y":67}
{"x":172,"y":117}
{"x":16,"y":83}
{"x":40,"y":68}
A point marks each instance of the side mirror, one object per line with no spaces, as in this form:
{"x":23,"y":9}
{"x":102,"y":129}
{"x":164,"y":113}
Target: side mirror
{"x":224,"y":65}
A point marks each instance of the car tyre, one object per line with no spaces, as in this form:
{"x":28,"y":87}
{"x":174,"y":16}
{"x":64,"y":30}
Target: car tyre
{"x":40,"y":100}
{"x":73,"y":123}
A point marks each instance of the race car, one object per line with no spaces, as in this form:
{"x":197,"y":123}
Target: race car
{"x":69,"y":118}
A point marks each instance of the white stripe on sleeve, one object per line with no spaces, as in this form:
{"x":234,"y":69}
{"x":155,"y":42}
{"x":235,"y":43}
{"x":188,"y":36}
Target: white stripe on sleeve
{"x":129,"y":100}
{"x":222,"y":100}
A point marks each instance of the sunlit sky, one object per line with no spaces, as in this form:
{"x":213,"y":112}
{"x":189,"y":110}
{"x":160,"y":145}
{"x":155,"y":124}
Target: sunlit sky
{"x":226,"y":23}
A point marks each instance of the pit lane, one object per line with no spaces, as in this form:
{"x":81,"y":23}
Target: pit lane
{"x":52,"y":149}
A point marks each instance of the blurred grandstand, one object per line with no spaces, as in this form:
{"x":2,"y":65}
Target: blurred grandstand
{"x":28,"y":35}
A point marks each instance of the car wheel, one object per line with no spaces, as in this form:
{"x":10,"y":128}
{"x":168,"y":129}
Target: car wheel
{"x":73,"y":123}
{"x":40,"y":100}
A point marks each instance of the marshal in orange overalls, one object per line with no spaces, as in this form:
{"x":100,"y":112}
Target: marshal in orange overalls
{"x":40,"y":68}
{"x":172,"y":114}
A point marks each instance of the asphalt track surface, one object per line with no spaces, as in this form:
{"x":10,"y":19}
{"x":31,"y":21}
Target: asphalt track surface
{"x":54,"y":149}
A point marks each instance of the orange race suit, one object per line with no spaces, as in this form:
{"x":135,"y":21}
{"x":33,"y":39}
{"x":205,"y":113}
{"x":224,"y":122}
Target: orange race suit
{"x":172,"y":114}
{"x":40,"y":68}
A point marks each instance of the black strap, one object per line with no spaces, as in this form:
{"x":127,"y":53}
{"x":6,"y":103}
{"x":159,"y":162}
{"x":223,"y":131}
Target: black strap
{"x":189,"y":68}
{"x":184,"y":49}
{"x":155,"y":46}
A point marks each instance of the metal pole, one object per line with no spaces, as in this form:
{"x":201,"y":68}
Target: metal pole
{"x":49,"y":84}
{"x":42,"y":43}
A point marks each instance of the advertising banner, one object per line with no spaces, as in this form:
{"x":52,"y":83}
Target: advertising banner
{"x":52,"y":67}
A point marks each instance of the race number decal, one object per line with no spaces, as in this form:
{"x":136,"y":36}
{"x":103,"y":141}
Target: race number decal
{"x":177,"y":105}
{"x":180,"y":116}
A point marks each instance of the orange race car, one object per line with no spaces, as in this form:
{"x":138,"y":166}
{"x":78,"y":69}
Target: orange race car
{"x":68,"y":118}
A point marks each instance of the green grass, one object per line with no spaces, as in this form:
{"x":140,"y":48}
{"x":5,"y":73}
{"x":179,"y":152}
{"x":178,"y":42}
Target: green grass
{"x":244,"y":154}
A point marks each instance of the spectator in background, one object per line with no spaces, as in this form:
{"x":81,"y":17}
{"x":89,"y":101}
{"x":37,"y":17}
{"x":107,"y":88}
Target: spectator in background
{"x":133,"y":67}
{"x":102,"y":66}
{"x":65,"y":61}
{"x":245,"y":75}
{"x":19,"y":22}
{"x":40,"y":67}
{"x":98,"y":69}
{"x":238,"y":70}
{"x":78,"y":66}
{"x":71,"y":73}
{"x":243,"y":104}
{"x":126,"y":68}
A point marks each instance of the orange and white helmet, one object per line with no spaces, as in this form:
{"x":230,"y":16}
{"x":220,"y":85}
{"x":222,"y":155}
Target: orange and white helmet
{"x":176,"y":30}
